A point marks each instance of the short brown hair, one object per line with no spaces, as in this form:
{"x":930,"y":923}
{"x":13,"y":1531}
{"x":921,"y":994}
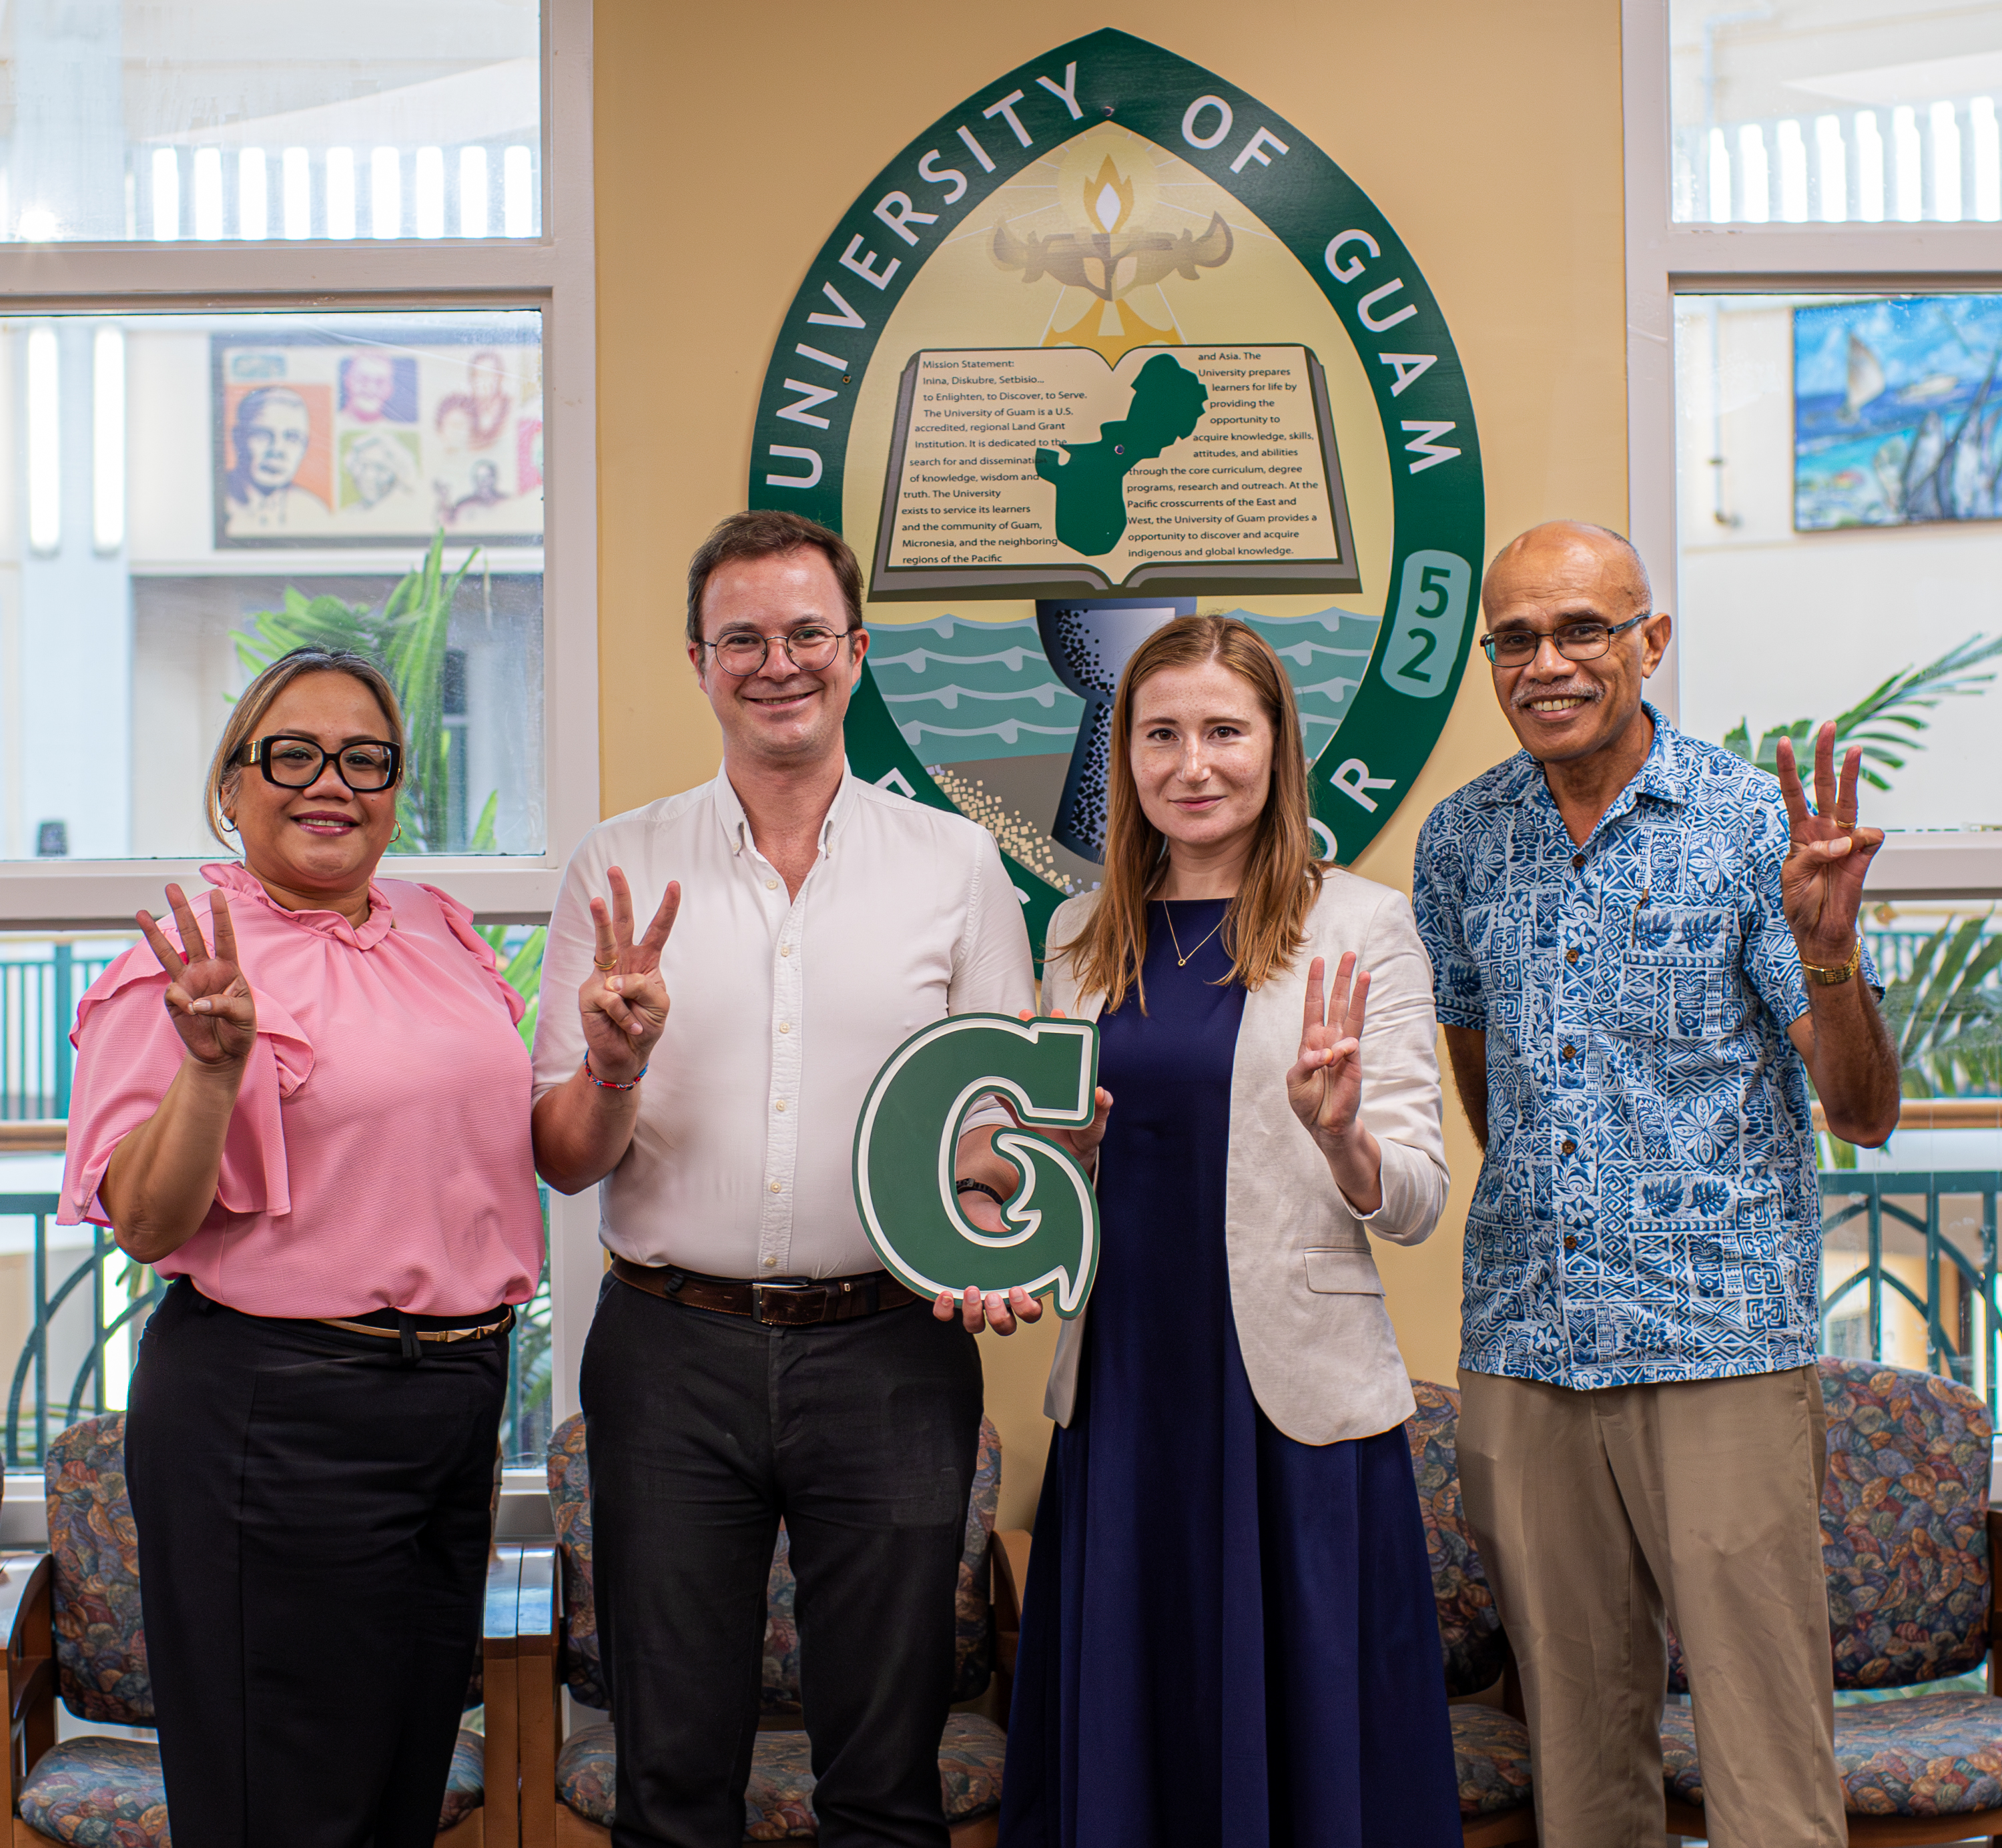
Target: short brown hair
{"x":1266,"y":922}
{"x":766,"y":533}
{"x":224,"y":773}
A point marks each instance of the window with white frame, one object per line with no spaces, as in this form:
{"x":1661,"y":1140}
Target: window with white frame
{"x":217,"y":440}
{"x":1835,"y":112}
{"x":288,"y":297}
{"x":1814,"y":255}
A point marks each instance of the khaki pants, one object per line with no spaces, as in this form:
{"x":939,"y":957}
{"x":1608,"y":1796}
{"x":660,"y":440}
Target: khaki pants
{"x":1595,"y":1512}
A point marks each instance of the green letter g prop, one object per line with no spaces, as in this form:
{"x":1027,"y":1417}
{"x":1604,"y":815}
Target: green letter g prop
{"x":907,"y":1135}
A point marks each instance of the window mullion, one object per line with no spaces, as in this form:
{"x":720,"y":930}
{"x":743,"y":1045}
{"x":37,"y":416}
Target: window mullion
{"x":199,"y":276}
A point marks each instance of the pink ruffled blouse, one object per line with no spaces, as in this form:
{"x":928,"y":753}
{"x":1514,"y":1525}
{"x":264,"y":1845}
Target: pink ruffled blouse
{"x":379,"y":1156}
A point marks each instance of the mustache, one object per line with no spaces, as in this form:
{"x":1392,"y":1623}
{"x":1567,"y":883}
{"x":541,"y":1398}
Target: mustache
{"x":1574,"y":689}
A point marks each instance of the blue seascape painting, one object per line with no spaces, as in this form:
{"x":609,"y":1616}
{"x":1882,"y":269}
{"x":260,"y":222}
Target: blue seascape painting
{"x":1897,"y":412}
{"x":963,"y":691}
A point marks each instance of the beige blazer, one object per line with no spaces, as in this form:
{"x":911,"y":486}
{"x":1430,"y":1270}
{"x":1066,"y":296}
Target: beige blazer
{"x":1315,"y":1337}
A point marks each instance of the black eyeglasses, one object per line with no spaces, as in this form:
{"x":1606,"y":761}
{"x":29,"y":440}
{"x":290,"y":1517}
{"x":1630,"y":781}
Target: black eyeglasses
{"x":810,"y":646}
{"x":366,"y":766}
{"x":1575,"y":641}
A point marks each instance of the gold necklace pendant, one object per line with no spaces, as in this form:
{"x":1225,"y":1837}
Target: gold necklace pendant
{"x":1182,"y":962}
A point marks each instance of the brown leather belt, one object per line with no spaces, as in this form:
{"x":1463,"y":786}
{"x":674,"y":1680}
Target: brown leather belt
{"x":777,"y":1305}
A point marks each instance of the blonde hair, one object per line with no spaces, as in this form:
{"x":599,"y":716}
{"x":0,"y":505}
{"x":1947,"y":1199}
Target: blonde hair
{"x":225,"y":771}
{"x":1266,"y":922}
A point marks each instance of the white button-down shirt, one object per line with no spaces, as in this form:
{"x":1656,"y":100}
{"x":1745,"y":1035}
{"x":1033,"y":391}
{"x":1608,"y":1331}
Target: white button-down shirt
{"x":782,"y":1011}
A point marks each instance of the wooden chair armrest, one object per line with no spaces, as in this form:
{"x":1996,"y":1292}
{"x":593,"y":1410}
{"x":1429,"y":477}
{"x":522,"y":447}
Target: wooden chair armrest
{"x":538,"y":1655}
{"x":1994,"y":1601}
{"x":1011,"y":1576}
{"x":500,"y":1668}
{"x":27,"y":1584}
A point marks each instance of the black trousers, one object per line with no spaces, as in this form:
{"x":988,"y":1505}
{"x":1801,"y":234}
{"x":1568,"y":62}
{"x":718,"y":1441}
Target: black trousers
{"x":706,"y":1429}
{"x":313,"y":1518}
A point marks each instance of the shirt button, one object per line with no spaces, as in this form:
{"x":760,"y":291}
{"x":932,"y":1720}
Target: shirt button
{"x":785,"y":949}
{"x":1577,"y":862}
{"x":1571,"y":955}
{"x":1570,"y":1244}
{"x":785,"y":1027}
{"x":780,"y":1108}
{"x":1570,"y":1147}
{"x":771,"y":1263}
{"x":771,"y":885}
{"x":775,"y":1187}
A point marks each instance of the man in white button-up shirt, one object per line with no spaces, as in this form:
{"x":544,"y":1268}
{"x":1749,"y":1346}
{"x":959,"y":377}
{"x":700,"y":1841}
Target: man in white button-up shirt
{"x":749,"y":1358}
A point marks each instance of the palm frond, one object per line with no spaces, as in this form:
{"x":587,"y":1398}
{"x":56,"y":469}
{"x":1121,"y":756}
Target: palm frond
{"x":1898,"y":701}
{"x":522,"y":972}
{"x":1945,"y":1018}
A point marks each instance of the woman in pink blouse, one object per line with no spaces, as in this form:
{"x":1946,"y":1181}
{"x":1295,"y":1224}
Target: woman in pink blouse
{"x":310,"y":1110}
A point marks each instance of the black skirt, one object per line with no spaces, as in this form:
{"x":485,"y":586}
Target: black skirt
{"x":314,"y":1511}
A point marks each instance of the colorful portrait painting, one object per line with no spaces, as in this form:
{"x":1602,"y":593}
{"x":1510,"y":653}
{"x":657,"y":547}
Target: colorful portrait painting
{"x":278,"y":482}
{"x":321,"y":440}
{"x":1897,"y":411}
{"x":376,"y":466}
{"x":378,"y":387}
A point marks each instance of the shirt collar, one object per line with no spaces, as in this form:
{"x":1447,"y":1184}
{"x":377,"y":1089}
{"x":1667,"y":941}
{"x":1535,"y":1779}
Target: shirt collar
{"x":736,"y":824}
{"x":242,"y":884}
{"x":1664,"y":775}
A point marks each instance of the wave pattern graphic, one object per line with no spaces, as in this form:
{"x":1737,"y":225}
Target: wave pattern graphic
{"x":1327,"y":655}
{"x":963,"y":692}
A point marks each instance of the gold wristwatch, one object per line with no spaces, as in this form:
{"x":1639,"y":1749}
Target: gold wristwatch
{"x":1835,"y":978}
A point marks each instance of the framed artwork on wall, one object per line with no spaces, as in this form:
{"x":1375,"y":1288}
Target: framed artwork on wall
{"x":328,"y":439}
{"x":1897,"y":411}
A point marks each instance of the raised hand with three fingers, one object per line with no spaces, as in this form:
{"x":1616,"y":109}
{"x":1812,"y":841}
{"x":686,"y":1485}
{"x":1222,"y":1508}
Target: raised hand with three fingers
{"x":1325,"y":1085}
{"x":207,"y":998}
{"x":1828,"y":855}
{"x":624,"y":999}
{"x":1849,"y":1051}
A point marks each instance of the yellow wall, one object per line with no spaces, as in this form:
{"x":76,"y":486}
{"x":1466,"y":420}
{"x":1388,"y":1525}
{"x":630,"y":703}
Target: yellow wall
{"x":730,"y":139}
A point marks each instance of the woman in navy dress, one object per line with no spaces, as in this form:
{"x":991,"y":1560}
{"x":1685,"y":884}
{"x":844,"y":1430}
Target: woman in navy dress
{"x":1229,"y":1638}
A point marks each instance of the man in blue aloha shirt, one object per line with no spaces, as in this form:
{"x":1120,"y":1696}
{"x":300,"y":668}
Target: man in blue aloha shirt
{"x":1642,"y":949}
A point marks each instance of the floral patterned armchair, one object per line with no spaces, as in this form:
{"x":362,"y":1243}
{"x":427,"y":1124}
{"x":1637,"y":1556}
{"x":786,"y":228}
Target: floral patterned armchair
{"x":566,"y":1787}
{"x":1490,"y":1745}
{"x":1906,"y":1538}
{"x":73,"y":1628}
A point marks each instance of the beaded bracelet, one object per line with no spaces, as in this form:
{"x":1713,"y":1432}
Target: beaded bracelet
{"x":607,"y":1084}
{"x":970,"y":1186}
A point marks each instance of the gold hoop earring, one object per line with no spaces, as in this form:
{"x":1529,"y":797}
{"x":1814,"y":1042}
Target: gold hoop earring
{"x":397,"y":835}
{"x":228,"y":826}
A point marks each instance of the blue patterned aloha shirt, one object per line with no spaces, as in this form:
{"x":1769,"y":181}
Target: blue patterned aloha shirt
{"x":1649,"y":1209}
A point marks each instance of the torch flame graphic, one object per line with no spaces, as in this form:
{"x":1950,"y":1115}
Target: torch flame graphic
{"x":1107,"y":198}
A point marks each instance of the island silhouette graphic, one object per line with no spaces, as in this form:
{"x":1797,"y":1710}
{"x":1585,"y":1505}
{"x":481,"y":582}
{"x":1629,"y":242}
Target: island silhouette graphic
{"x":1089,"y":478}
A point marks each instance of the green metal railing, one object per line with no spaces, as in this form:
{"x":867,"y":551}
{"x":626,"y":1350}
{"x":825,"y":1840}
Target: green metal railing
{"x":122,"y":1295}
{"x":88,"y":1388}
{"x":1911,"y":1204}
{"x":38,"y":997}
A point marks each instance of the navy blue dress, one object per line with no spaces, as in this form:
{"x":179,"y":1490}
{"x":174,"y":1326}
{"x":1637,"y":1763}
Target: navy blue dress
{"x":1229,"y":1638}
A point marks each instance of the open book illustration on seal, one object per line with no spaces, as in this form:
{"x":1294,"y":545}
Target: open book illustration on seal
{"x":1044,"y":470}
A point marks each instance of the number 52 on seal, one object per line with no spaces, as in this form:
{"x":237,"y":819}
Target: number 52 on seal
{"x":907,"y":1137}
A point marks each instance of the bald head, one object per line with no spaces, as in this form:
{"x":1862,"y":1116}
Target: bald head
{"x":1564,"y":604}
{"x":1615,"y":563}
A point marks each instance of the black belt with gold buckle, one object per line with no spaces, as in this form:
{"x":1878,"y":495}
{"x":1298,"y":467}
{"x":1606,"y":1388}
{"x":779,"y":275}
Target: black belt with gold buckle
{"x":789,"y":1304}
